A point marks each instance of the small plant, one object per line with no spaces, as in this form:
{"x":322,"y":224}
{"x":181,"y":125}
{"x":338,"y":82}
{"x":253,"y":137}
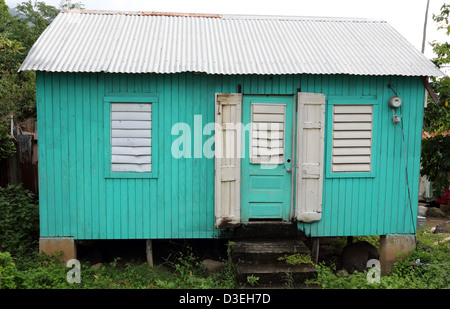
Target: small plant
{"x":289,"y":280}
{"x":296,"y":259}
{"x":252,"y":280}
{"x":229,"y":245}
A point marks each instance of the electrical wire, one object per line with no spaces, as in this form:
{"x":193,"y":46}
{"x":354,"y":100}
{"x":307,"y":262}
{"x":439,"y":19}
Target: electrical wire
{"x":406,"y":173}
{"x":406,"y":164}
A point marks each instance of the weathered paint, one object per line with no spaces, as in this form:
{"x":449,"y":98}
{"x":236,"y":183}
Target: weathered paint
{"x":227,"y":176}
{"x":77,"y":200}
{"x":310,"y":159}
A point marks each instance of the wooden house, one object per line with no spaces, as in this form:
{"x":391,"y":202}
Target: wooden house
{"x":171,"y":126}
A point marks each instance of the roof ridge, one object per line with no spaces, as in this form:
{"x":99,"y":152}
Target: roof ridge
{"x":293,"y":17}
{"x":143,"y":13}
{"x":225,"y":16}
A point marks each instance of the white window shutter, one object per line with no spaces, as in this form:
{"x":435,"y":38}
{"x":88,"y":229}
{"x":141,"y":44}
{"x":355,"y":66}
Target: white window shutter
{"x":227,"y":159}
{"x":352,"y":138}
{"x":310,"y":156}
{"x":131,"y":137}
{"x":267,"y":133}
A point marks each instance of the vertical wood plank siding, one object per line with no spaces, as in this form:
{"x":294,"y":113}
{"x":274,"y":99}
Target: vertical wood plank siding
{"x":77,"y":200}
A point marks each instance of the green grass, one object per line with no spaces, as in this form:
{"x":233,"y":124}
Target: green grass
{"x":49,"y":272}
{"x":426,"y":267}
{"x":186,"y":272}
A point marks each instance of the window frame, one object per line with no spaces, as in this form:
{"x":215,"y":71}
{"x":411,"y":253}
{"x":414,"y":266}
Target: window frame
{"x":150,"y":98}
{"x":351,"y":100}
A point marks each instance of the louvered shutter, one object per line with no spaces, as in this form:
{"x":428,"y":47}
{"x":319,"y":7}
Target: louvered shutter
{"x":227,"y":159}
{"x":268,"y":124}
{"x":131,"y":137}
{"x":352,"y":138}
{"x":310,"y":156}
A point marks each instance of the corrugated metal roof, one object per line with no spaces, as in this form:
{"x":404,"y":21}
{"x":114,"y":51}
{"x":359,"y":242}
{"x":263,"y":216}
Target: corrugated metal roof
{"x":151,"y":42}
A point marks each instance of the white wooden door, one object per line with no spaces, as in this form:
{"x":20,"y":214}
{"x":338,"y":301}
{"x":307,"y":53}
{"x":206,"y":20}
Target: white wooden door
{"x":227,"y":159}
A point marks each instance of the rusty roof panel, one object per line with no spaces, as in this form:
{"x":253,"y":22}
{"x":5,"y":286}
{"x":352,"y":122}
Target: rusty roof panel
{"x":142,"y":13}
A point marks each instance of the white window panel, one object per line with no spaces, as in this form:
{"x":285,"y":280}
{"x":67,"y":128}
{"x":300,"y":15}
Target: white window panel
{"x":352,"y":138}
{"x":131,"y":137}
{"x":267,"y":142}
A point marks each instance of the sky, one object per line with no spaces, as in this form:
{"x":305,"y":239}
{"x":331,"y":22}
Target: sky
{"x":406,"y":16}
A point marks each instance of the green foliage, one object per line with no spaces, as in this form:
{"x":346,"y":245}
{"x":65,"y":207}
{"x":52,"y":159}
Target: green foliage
{"x":19,"y":222}
{"x":436,"y":161}
{"x":49,"y":272}
{"x":17,"y":36}
{"x":11,"y":52}
{"x":68,"y":5}
{"x":252,"y":280}
{"x":426,"y":267}
{"x":190,"y":273}
{"x":37,"y":16}
{"x":437,"y":115}
{"x":296,"y":259}
{"x":18,"y":94}
{"x":435,"y":150}
{"x":7,"y":146}
{"x":9,"y":275}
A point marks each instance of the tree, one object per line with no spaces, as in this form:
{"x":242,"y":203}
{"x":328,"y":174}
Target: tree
{"x":435,"y":158}
{"x":37,"y":17}
{"x":17,"y":36}
{"x":68,"y":5}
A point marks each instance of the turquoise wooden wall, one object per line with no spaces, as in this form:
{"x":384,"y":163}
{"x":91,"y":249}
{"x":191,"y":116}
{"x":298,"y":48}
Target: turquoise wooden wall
{"x":77,"y":200}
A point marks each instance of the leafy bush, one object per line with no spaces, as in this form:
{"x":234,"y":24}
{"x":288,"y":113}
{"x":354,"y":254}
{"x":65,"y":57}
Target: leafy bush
{"x":18,"y":93}
{"x":9,"y":276}
{"x":435,"y":161}
{"x":426,"y":267}
{"x":19,"y":222}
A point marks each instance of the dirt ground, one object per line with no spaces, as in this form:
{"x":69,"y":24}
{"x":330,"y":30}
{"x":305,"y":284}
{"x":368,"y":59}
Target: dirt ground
{"x":433,"y":221}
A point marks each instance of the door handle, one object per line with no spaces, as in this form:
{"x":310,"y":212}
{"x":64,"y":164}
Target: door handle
{"x":288,"y":170}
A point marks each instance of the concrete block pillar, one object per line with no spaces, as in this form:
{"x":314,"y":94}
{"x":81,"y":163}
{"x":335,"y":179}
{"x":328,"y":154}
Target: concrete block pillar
{"x":391,"y":246}
{"x":67,"y":245}
{"x":149,"y":251}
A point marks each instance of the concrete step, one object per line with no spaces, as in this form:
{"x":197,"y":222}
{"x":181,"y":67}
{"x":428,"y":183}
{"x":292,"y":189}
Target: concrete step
{"x":270,"y":246}
{"x":266,"y":249}
{"x":261,"y":258}
{"x":267,"y":230}
{"x":275,"y":274}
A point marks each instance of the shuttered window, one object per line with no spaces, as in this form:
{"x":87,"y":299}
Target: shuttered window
{"x":130,"y":140}
{"x":267,"y":143}
{"x":351,"y":137}
{"x":131,"y":137}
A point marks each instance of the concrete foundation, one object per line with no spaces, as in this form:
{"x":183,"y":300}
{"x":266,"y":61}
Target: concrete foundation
{"x":67,"y":245}
{"x":391,"y":246}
